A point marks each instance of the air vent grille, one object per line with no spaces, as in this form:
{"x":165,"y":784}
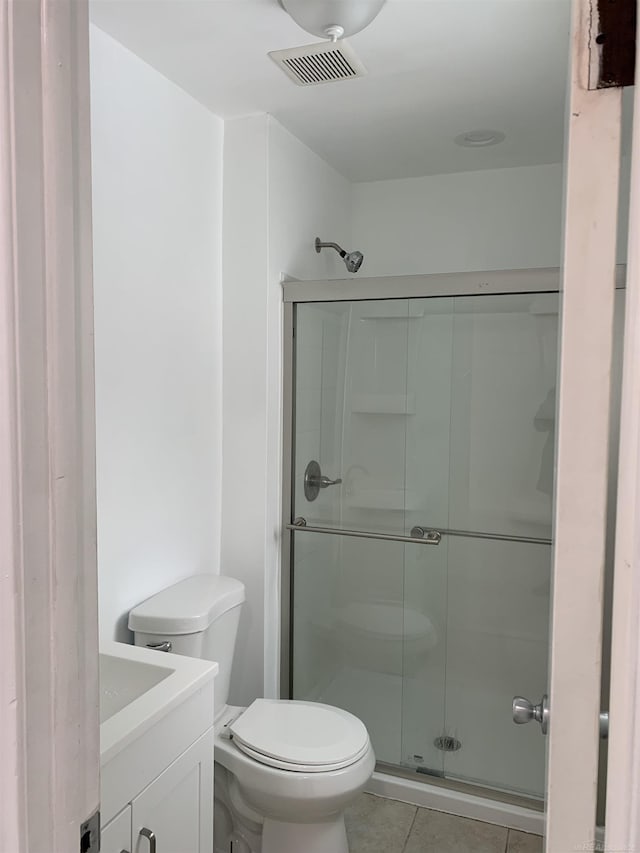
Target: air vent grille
{"x":319,"y":63}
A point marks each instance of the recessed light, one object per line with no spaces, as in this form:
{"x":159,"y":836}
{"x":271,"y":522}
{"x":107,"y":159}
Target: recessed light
{"x":479,"y":138}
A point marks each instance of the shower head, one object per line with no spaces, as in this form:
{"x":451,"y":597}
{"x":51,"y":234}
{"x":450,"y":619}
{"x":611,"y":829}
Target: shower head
{"x":353,"y":260}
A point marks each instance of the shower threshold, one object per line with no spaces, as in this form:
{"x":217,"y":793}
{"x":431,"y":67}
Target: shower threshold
{"x":459,"y":798}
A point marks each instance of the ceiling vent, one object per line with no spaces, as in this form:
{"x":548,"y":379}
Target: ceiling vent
{"x":319,"y":63}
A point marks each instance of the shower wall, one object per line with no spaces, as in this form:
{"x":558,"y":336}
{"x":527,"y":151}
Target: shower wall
{"x":493,"y":219}
{"x":485,"y":220}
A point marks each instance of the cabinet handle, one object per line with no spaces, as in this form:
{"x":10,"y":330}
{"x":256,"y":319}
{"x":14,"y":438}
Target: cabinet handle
{"x":151,"y":838}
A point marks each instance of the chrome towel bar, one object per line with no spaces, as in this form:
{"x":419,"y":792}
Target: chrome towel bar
{"x":419,"y":535}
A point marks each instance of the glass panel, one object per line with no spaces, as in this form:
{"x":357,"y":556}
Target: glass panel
{"x":425,"y":657}
{"x":376,"y":409}
{"x":351,"y":405}
{"x":356,"y":644}
{"x":503,"y":413}
{"x":440,"y":413}
{"x":348,"y":622}
{"x":322,"y":333}
{"x":497,"y":647}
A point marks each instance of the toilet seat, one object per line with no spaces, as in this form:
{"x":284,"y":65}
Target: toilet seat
{"x":303,"y":737}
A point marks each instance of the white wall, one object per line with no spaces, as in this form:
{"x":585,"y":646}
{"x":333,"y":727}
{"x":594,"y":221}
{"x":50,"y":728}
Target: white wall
{"x":157,"y":199}
{"x":244,"y":401}
{"x":488,"y":220}
{"x":278,"y":196}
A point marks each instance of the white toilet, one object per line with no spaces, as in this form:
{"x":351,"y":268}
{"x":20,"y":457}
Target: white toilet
{"x":285,"y":770}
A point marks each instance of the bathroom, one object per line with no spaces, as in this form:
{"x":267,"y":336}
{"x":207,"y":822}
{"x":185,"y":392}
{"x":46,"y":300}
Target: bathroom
{"x":196,"y":218}
{"x":332,"y":450}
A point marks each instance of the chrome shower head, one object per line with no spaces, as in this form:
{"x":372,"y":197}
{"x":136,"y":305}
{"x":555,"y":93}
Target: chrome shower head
{"x":353,"y":260}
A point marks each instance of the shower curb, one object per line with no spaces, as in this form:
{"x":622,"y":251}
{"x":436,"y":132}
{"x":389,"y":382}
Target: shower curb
{"x":457,"y":803}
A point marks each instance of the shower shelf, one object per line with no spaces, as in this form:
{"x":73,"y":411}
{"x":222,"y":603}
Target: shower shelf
{"x":384,"y":404}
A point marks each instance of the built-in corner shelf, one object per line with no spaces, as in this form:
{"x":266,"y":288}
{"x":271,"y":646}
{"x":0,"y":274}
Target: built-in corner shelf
{"x":384,"y":404}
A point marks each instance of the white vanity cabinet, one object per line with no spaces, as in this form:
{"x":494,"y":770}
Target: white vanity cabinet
{"x":156,"y":751}
{"x":116,"y":835}
{"x":174,"y":813}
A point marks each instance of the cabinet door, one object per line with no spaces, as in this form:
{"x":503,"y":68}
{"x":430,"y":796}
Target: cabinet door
{"x":115,"y":837}
{"x":177,"y":807}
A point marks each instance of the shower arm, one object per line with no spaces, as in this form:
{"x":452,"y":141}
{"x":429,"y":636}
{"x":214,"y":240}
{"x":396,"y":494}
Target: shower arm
{"x":320,"y":245}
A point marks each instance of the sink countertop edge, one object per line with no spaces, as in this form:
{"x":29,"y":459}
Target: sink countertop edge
{"x":191,"y":675}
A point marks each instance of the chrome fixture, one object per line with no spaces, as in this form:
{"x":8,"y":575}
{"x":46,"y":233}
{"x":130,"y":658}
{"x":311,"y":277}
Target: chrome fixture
{"x":353,"y":260}
{"x":430,"y":537}
{"x":419,"y":533}
{"x":524,"y":711}
{"x":314,"y":480}
{"x":333,"y":19}
{"x":151,"y":838}
{"x":165,"y":646}
{"x":447,"y":743}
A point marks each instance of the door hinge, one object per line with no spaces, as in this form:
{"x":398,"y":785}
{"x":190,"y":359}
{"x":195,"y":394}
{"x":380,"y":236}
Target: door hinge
{"x":90,"y":834}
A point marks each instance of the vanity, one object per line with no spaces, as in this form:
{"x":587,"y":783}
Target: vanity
{"x":156,"y":751}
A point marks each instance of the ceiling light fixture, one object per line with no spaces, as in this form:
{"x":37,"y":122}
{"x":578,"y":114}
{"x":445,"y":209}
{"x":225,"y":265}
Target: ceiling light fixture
{"x":333,"y":19}
{"x":479,"y":138}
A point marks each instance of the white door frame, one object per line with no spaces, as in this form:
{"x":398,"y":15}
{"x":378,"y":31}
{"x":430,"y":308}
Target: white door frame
{"x":49,"y":724}
{"x":623,"y":768}
{"x":591,"y":212}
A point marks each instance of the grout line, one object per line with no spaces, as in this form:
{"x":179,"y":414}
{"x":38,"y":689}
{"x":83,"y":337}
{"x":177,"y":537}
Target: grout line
{"x":506,"y":844}
{"x":406,"y":841}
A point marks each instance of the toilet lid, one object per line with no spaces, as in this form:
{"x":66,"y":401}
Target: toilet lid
{"x":301,"y":736}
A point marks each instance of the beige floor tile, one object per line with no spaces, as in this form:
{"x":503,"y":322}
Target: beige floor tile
{"x":435,"y":832}
{"x":377,"y":825}
{"x":522,"y":842}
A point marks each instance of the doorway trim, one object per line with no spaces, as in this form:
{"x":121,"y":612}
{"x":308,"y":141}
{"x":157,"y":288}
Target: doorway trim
{"x":49,"y":699}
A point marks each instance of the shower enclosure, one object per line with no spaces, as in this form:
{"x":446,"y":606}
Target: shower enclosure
{"x":420,"y":515}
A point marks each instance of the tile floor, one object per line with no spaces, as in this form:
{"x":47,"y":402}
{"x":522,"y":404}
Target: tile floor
{"x":377,"y":825}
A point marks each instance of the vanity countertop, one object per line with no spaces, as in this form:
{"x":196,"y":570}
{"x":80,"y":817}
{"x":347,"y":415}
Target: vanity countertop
{"x":139,"y":686}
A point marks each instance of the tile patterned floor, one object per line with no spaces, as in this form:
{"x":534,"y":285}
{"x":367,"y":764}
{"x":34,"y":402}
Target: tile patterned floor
{"x":377,"y":825}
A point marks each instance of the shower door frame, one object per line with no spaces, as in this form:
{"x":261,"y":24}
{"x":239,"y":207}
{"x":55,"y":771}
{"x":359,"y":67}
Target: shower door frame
{"x":433,"y":285}
{"x":500,"y":282}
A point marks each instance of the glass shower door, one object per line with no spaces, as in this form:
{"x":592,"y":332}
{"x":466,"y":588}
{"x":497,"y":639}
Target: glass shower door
{"x":498,"y":478}
{"x":421,"y":415}
{"x":352,"y":627}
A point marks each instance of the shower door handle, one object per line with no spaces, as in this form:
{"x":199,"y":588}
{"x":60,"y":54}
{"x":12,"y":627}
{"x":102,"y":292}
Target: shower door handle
{"x":314,"y":480}
{"x":323,"y":481}
{"x":524,"y":711}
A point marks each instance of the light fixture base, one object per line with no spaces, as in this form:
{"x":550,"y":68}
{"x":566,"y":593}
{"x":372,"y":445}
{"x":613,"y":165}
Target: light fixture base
{"x":334,"y":32}
{"x":319,"y":17}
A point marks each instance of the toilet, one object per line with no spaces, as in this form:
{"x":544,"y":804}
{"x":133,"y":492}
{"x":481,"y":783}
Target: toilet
{"x":284,"y":770}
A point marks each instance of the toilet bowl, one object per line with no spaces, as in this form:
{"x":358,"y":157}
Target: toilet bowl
{"x":285,"y":769}
{"x":292,"y":804}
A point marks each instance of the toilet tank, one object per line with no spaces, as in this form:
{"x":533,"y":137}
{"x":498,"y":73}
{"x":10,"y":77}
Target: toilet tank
{"x":199,"y":617}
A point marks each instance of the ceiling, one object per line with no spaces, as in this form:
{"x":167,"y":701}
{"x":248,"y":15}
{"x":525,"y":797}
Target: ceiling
{"x":437,"y":68}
